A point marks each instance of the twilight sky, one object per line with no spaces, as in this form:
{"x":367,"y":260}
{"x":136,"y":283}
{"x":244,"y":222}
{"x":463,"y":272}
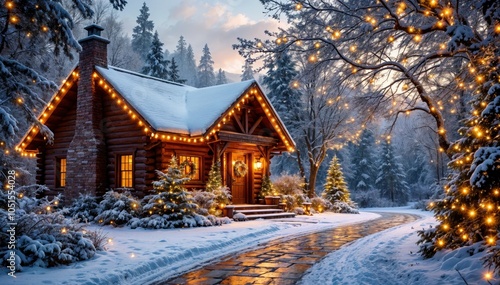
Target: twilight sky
{"x":214,"y":22}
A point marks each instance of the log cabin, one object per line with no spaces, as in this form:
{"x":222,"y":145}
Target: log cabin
{"x":113,"y":128}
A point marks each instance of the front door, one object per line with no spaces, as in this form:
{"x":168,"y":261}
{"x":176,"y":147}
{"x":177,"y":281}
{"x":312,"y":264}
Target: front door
{"x":239,"y":182}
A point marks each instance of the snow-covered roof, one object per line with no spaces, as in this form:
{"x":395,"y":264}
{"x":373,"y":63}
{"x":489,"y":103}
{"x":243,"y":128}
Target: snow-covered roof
{"x":170,"y":106}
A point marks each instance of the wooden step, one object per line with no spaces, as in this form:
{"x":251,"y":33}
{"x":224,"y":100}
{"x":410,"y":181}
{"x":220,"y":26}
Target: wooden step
{"x":271,"y":216}
{"x":253,"y":207}
{"x":258,"y":211}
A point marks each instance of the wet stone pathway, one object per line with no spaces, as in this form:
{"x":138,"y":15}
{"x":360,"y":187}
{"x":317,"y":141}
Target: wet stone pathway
{"x":284,"y":261}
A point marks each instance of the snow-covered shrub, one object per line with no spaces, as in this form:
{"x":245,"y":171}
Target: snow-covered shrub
{"x":117,"y":208}
{"x":344,"y":207}
{"x":205,"y":201}
{"x":47,"y":240}
{"x":320,"y":205}
{"x":289,"y":185}
{"x":217,"y":221}
{"x":84,"y":208}
{"x":290,"y":202}
{"x":239,"y":217}
{"x":366,"y":199}
{"x":301,"y":199}
{"x":222,"y":198}
{"x":299,"y":211}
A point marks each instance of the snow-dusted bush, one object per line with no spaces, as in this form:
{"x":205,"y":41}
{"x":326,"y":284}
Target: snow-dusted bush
{"x":47,"y":240}
{"x":299,"y":211}
{"x":84,"y":208}
{"x":319,"y":204}
{"x":289,"y":185}
{"x":205,"y":201}
{"x":290,"y":202}
{"x":117,"y":208}
{"x":344,"y":207}
{"x":217,"y":221}
{"x":301,"y":199}
{"x":222,"y":198}
{"x":240,"y":217}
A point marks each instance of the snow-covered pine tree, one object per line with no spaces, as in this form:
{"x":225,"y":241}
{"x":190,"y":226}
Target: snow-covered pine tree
{"x":206,"y":74}
{"x":142,"y":35}
{"x":364,"y":171}
{"x":221,"y":77}
{"x":468,"y":213}
{"x":173,"y":72}
{"x":391,"y":179}
{"x":279,"y":80}
{"x":335,"y":188}
{"x":190,"y":73}
{"x":180,"y":55}
{"x":247,"y":71}
{"x":155,"y":64}
{"x":171,"y":205}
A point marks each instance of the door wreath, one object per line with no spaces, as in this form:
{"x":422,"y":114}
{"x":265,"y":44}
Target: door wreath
{"x":240,"y":168}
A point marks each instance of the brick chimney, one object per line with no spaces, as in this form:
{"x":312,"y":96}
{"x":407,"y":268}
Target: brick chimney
{"x":86,"y":158}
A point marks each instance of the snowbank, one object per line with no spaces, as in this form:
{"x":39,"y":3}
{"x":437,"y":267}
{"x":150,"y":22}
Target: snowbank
{"x":143,"y":256}
{"x":390,"y":257}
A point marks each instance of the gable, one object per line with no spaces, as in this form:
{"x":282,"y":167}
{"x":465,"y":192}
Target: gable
{"x":56,"y":110}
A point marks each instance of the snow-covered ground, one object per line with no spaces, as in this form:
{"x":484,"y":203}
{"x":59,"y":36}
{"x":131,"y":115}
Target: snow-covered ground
{"x":390,"y":257}
{"x":143,"y":256}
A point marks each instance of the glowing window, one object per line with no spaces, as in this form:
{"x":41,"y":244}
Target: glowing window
{"x":195,"y":160}
{"x":125,"y":171}
{"x":61,"y":171}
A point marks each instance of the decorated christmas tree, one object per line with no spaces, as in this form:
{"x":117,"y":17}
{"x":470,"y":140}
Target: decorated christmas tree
{"x":171,"y":200}
{"x":335,"y":188}
{"x":469,"y":211}
{"x":214,"y":186}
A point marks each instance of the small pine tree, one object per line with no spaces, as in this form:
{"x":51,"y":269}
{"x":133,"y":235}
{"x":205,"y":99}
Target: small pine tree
{"x":155,"y":64}
{"x":171,"y":200}
{"x":173,"y":73}
{"x":363,"y":174}
{"x":267,"y":188}
{"x":247,"y":71}
{"x":214,"y":185}
{"x":221,"y":77}
{"x":214,"y":177}
{"x":335,"y":188}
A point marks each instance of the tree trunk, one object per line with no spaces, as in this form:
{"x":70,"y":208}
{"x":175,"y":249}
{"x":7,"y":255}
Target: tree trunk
{"x":312,"y":181}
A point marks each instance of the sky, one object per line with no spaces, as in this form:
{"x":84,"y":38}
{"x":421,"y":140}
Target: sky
{"x":217,"y":23}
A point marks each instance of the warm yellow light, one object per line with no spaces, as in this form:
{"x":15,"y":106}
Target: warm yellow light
{"x":298,"y":6}
{"x":336,"y":35}
{"x":353,"y":48}
{"x":417,"y":38}
{"x":488,"y":275}
{"x":259,"y":44}
{"x":312,"y":58}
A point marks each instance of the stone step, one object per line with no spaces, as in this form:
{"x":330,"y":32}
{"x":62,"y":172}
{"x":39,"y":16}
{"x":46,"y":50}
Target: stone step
{"x":271,"y":216}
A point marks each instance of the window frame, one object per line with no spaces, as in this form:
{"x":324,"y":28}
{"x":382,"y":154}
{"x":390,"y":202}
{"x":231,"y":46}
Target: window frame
{"x":60,"y":174}
{"x":119,"y":171}
{"x":199,"y":173}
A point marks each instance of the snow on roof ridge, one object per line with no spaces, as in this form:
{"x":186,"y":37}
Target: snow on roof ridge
{"x":147,"y":76}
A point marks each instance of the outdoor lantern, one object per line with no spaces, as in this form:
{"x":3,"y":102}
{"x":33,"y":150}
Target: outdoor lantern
{"x":307,"y":208}
{"x":258,"y":164}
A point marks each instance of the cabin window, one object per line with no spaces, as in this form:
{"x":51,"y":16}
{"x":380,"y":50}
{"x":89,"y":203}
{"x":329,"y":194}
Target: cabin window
{"x":125,"y":171}
{"x":61,"y":172}
{"x":195,"y":160}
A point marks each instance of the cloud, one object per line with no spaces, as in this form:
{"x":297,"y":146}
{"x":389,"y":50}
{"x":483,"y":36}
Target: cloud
{"x":216,"y":25}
